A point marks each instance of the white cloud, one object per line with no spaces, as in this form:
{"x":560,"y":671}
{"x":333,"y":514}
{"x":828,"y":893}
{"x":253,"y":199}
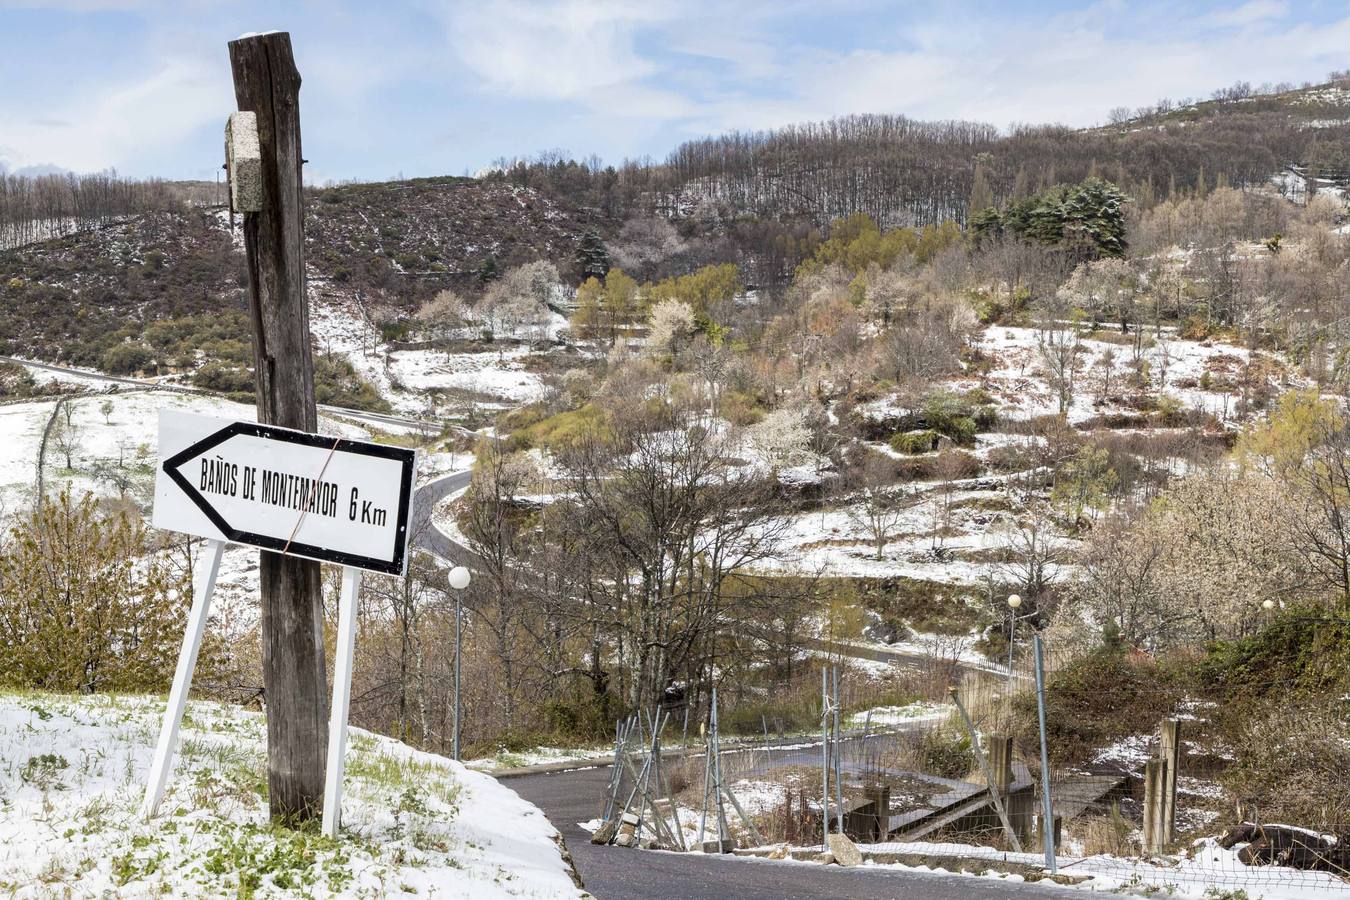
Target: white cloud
{"x":1252,"y":12}
{"x":113,"y":124}
{"x":561,"y":50}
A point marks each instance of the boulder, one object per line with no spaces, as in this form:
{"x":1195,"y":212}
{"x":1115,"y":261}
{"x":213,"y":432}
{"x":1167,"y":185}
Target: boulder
{"x":845,"y":852}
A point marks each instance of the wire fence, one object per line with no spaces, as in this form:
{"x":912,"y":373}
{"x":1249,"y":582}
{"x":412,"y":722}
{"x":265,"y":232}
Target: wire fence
{"x":910,"y":781}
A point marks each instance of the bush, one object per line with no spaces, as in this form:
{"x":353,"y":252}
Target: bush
{"x":336,"y":383}
{"x":943,"y":752}
{"x":225,"y":378}
{"x":108,"y":616}
{"x":16,"y":381}
{"x":561,"y":429}
{"x":1099,"y":699}
{"x":1293,"y":764}
{"x":1304,"y":650}
{"x":921,"y":441}
{"x":127,"y":359}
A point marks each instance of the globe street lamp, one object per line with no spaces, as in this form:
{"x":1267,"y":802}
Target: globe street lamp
{"x":459,"y":580}
{"x":1014,"y":601}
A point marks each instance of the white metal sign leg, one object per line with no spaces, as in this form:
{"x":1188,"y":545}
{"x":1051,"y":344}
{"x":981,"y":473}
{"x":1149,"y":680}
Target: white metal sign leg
{"x":342,"y":696}
{"x":204,"y":586}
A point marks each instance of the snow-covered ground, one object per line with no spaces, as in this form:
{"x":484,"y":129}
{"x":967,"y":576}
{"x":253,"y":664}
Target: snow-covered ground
{"x":1177,"y":368}
{"x":1207,"y":870}
{"x":836,"y":542}
{"x":112,"y":432}
{"x":886,"y":716}
{"x":495,"y":378}
{"x":536,"y":756}
{"x":74,"y":774}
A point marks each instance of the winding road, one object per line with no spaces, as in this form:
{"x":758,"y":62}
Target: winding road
{"x":572,"y":796}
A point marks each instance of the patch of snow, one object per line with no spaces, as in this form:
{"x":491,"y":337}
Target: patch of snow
{"x":412,"y":822}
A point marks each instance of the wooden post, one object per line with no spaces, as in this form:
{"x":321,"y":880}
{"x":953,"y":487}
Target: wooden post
{"x":1018,"y":805}
{"x":988,"y":772}
{"x":1155,"y":781}
{"x":1000,"y":761}
{"x":294,"y":677}
{"x":1055,"y":833}
{"x":1169,"y":751}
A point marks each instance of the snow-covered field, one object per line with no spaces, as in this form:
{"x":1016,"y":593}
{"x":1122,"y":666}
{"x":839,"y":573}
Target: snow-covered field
{"x":73,"y":775}
{"x":1176,"y":366}
{"x":112,"y":432}
{"x":495,"y":378}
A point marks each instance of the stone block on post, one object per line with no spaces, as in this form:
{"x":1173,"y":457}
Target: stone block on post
{"x":243,"y":162}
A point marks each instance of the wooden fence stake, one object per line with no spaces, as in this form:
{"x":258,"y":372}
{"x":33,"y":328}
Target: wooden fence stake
{"x":1155,"y":786}
{"x":988,"y":774}
{"x":1169,"y":751}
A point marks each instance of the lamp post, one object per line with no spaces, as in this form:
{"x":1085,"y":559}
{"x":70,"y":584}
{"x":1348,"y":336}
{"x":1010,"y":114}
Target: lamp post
{"x":1014,"y":601}
{"x":459,"y":580}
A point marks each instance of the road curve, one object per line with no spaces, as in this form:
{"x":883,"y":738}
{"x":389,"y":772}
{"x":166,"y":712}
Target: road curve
{"x":426,"y":536}
{"x":615,"y":873}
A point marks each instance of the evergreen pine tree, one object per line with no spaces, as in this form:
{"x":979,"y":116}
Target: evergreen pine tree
{"x":488,"y":271}
{"x":592,"y":258}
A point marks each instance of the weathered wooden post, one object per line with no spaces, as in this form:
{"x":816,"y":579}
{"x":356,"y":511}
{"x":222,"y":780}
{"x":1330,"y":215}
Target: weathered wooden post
{"x":1019,"y":806}
{"x":1000,"y":761}
{"x":267,"y":84}
{"x":1169,"y":751}
{"x":1155,"y":786}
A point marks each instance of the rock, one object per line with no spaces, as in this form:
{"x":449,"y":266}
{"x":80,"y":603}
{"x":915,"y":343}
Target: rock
{"x":845,"y":852}
{"x":779,"y":852}
{"x":605,"y":833}
{"x":825,"y":858}
{"x":1287,"y":845}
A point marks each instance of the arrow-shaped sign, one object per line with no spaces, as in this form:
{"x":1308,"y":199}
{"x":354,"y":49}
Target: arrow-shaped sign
{"x":293,"y":492}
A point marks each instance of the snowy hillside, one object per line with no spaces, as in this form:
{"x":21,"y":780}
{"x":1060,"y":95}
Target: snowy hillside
{"x":413,"y":823}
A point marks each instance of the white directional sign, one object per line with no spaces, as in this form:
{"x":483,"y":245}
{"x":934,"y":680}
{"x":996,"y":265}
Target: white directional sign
{"x":309,"y":495}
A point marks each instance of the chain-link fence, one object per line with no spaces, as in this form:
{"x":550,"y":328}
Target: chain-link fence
{"x":1143,"y":790}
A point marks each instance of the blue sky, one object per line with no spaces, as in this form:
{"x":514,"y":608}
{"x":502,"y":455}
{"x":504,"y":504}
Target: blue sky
{"x":421,"y":88}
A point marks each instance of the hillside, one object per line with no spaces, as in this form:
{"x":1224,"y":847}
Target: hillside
{"x":401,"y":241}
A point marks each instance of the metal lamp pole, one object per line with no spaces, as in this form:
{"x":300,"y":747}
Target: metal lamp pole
{"x":459,"y":580}
{"x":1014,"y":601}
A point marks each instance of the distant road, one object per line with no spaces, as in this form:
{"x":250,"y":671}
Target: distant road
{"x":373,"y":418}
{"x":426,"y":536}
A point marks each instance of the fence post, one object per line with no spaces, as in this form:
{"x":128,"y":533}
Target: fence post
{"x":1169,"y":751}
{"x":1155,"y":786}
{"x":1050,"y":834}
{"x":988,"y":772}
{"x":1000,"y":761}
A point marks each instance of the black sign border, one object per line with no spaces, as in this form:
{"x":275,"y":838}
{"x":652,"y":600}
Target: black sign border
{"x":408,"y":458}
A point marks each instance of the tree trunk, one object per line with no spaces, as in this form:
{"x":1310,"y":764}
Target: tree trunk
{"x":294,"y":676}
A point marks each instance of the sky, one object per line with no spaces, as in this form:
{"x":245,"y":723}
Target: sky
{"x":419,"y":87}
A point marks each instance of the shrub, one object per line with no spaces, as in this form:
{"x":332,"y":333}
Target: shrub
{"x":921,"y":441}
{"x":1098,"y":699}
{"x":16,"y":381}
{"x":126,"y":359}
{"x":73,"y":617}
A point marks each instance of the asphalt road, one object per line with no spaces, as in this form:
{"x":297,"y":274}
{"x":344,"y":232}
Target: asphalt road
{"x":615,"y":873}
{"x":373,"y":418}
{"x":426,"y":536}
